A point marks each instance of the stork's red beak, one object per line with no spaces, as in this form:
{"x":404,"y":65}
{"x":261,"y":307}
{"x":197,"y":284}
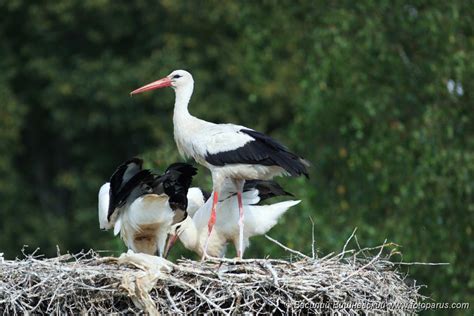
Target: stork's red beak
{"x":169,"y":245}
{"x":164,"y":82}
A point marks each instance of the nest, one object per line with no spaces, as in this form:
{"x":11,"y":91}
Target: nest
{"x":351,"y":282}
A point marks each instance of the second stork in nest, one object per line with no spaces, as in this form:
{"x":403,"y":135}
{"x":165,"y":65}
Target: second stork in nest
{"x":143,"y":206}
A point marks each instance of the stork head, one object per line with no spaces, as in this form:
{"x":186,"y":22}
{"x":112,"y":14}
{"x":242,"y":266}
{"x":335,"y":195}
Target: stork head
{"x":172,"y":237}
{"x":176,"y":80}
{"x":175,"y":232}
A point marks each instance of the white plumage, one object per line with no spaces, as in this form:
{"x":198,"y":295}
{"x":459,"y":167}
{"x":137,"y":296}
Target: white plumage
{"x":196,"y":200}
{"x":103,"y":204}
{"x":229,"y":151}
{"x":143,"y":225}
{"x":258,"y":220}
{"x":146,"y":215}
{"x":146,"y":223}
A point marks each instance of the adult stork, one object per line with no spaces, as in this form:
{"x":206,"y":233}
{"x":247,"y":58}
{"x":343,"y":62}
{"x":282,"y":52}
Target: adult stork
{"x":143,"y":206}
{"x":258,"y":219}
{"x":228,"y":150}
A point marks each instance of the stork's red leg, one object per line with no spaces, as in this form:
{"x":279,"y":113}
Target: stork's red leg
{"x":212,"y":221}
{"x":241,"y":225}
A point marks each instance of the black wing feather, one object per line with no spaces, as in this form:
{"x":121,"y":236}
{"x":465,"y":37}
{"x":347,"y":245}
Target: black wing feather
{"x":129,"y":176}
{"x":144,"y":178}
{"x":117,"y":179}
{"x":264,"y":150}
{"x":124,"y":173}
{"x":266,"y":188}
{"x":175,"y":183}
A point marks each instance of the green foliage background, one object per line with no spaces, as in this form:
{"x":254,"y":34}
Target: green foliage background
{"x":376,"y":94}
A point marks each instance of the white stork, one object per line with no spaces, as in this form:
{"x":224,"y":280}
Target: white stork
{"x":143,"y":206}
{"x":228,"y":150}
{"x":258,"y":219}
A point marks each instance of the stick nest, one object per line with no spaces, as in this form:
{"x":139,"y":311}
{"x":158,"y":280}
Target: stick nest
{"x":351,"y":282}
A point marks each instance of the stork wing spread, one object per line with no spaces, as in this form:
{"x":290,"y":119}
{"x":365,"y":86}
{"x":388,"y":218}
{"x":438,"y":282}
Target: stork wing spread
{"x":149,"y":204}
{"x":123,"y":173}
{"x":180,"y":175}
{"x":175,"y":183}
{"x":259,"y":149}
{"x":129,"y":182}
{"x":118,"y":199}
{"x":119,"y":179}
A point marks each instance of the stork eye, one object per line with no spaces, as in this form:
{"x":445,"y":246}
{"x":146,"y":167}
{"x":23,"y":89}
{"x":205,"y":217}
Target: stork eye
{"x":177,"y":76}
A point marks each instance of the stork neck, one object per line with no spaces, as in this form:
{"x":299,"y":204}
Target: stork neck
{"x":183,"y":95}
{"x":189,"y":234}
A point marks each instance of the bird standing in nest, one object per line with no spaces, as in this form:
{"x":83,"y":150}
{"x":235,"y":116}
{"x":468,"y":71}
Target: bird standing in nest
{"x":258,"y":219}
{"x":231,"y":152}
{"x":143,"y":206}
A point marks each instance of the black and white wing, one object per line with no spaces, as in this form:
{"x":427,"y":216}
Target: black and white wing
{"x":127,"y":183}
{"x":239,"y":145}
{"x":175,"y":183}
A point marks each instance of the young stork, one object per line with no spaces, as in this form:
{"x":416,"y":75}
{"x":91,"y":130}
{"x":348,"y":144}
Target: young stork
{"x":228,"y":150}
{"x":258,"y":219}
{"x":197,"y":197}
{"x":143,"y":206}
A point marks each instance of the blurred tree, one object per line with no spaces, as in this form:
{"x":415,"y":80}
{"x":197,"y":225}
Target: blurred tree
{"x":375,"y":93}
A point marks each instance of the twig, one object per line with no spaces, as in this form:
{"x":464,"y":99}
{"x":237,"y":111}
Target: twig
{"x":286,"y":248}
{"x":358,"y":270}
{"x":274,"y":274}
{"x":422,"y":263}
{"x":173,"y":304}
{"x":348,"y":240}
{"x":199,"y":293}
{"x":313,"y":253}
